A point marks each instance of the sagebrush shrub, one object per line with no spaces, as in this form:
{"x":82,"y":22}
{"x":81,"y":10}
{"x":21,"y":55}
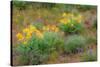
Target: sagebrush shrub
{"x":73,"y":43}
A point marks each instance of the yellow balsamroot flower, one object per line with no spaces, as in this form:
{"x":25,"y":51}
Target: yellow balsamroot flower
{"x":20,"y":36}
{"x":30,"y":29}
{"x":37,"y":31}
{"x":46,"y":28}
{"x":78,"y":20}
{"x":57,"y":30}
{"x":54,"y":28}
{"x":80,"y":16}
{"x":50,"y":28}
{"x":70,"y":15}
{"x":28,"y":35}
{"x":64,"y":14}
{"x":65,"y":20}
{"x":33,"y":28}
{"x":39,"y":34}
{"x":26,"y":30}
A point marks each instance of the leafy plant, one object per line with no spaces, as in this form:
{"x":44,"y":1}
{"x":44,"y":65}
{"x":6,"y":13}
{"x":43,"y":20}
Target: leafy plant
{"x":54,"y":40}
{"x":73,"y":43}
{"x":38,"y":50}
{"x":71,"y":27}
{"x":71,"y":23}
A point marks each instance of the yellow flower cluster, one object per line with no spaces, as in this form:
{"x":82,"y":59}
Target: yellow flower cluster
{"x":20,"y":36}
{"x":64,"y":21}
{"x":51,"y":28}
{"x":27,"y":34}
{"x":31,"y":29}
{"x":67,"y":17}
{"x":79,"y":18}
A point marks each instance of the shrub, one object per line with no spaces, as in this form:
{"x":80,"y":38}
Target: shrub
{"x":74,"y":43}
{"x":38,"y":50}
{"x":54,"y":40}
{"x":71,"y":23}
{"x":71,"y":27}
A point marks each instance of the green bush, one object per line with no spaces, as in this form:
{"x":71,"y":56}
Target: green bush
{"x":34,"y":51}
{"x":37,"y":50}
{"x":54,"y":40}
{"x":73,"y":43}
{"x":72,"y":27}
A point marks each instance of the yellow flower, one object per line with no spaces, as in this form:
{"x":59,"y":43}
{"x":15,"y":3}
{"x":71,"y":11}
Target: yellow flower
{"x":26,"y":30}
{"x":64,"y":15}
{"x":54,"y":28}
{"x":70,"y":15}
{"x":28,"y":35}
{"x":39,"y":34}
{"x":78,"y":20}
{"x":65,"y":21}
{"x":20,"y":36}
{"x":80,"y":16}
{"x":50,"y":28}
{"x":57,"y":29}
{"x":46,"y":28}
{"x":31,"y":27}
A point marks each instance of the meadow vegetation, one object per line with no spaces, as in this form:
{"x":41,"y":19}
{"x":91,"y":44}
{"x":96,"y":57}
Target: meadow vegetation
{"x":45,"y":33}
